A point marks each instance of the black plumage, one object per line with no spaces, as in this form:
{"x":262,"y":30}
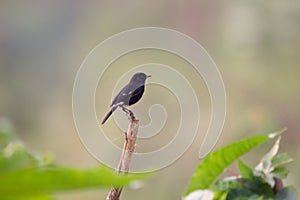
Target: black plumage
{"x":129,"y":95}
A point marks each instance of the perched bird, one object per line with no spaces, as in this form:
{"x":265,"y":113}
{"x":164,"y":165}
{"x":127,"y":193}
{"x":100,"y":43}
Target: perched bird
{"x":130,"y":94}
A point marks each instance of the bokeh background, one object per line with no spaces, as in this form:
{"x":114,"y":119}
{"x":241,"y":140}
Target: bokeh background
{"x":256,"y":45}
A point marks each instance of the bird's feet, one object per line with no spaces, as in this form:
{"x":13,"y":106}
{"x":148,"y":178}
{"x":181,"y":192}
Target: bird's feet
{"x":129,"y":113}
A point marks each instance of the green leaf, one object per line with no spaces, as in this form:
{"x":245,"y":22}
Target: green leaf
{"x":269,"y":168}
{"x":26,"y":176}
{"x":245,"y":170}
{"x":258,"y":186}
{"x":226,"y":184}
{"x":215,"y":163}
{"x":220,"y":195}
{"x":287,"y":193}
{"x":239,"y":193}
{"x":27,"y":197}
{"x":42,"y":180}
{"x":266,"y":163}
{"x":281,"y":159}
{"x":15,"y":157}
{"x":280,"y":172}
{"x":254,"y":188}
{"x":255,"y":197}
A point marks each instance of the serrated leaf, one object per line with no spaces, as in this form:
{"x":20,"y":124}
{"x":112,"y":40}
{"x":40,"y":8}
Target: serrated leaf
{"x":215,"y":163}
{"x":281,"y":159}
{"x":245,"y":170}
{"x":47,"y":179}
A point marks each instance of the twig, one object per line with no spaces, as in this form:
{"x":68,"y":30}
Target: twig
{"x":128,"y":149}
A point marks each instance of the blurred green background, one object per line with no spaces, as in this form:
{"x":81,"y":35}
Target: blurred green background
{"x":255,"y":44}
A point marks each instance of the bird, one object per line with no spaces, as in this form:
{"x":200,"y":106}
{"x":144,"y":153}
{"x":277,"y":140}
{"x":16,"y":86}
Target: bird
{"x":128,"y":95}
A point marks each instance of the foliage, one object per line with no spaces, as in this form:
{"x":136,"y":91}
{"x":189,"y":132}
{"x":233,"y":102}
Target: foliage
{"x":27,"y":176}
{"x":261,"y":183}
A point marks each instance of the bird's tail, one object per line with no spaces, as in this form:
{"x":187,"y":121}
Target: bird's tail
{"x":109,"y":114}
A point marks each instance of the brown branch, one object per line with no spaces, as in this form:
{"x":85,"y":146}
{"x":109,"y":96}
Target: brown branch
{"x":128,"y":149}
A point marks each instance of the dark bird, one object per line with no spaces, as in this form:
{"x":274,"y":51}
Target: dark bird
{"x":129,"y":95}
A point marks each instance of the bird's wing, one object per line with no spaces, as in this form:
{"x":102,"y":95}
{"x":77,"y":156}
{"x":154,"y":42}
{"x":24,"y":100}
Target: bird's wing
{"x":126,"y":93}
{"x":137,"y":91}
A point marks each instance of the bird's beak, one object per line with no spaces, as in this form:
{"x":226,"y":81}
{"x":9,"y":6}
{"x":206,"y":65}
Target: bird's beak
{"x":148,"y":76}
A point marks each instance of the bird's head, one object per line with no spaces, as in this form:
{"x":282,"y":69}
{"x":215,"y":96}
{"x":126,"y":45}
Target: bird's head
{"x":139,"y":78}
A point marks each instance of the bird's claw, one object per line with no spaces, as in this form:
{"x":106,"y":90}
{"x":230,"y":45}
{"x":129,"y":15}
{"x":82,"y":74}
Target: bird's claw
{"x":129,"y":113}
